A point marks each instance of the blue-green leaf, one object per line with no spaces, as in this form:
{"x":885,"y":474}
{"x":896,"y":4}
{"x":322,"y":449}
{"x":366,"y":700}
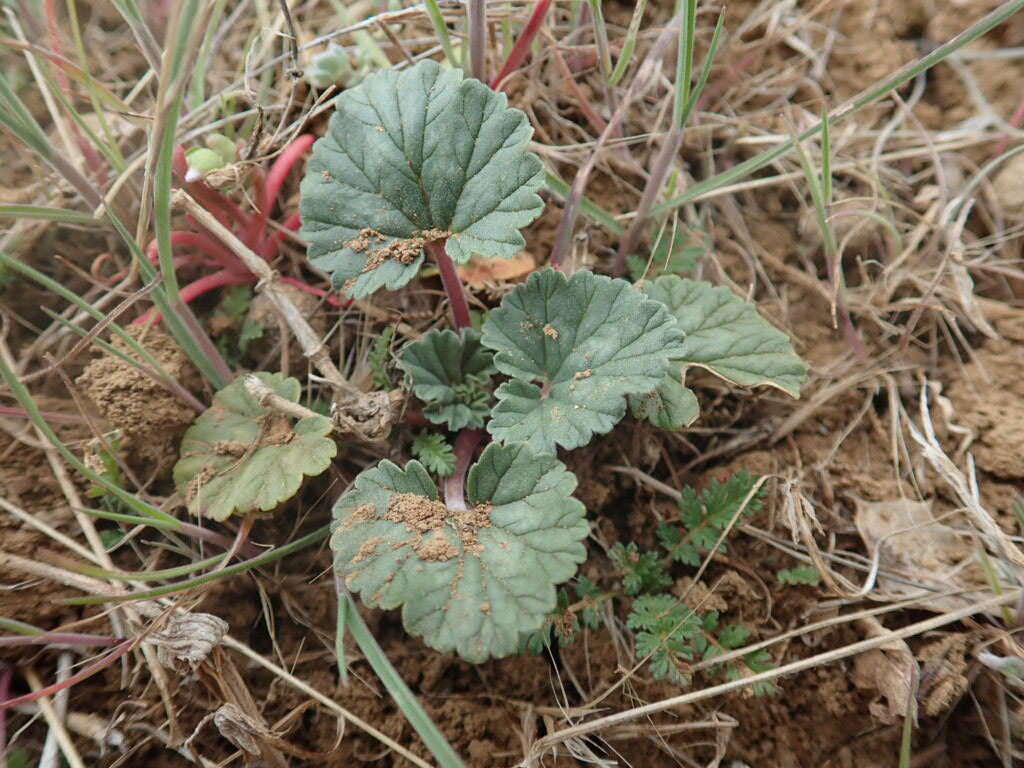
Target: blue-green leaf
{"x":450,"y":373}
{"x":468,"y":580}
{"x":576,"y":348}
{"x":415,"y":156}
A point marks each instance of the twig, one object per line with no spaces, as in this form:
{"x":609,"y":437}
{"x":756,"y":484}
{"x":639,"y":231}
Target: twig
{"x":55,"y":722}
{"x":267,"y":398}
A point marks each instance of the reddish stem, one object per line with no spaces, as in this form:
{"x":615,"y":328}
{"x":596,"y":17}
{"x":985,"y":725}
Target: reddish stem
{"x":522,"y":46}
{"x":452,"y":284}
{"x":199,"y":241}
{"x":455,"y":484}
{"x":203,"y":285}
{"x":86,"y":673}
{"x":276,"y":178}
{"x":1015,"y":120}
{"x":61,"y":418}
{"x":227,"y":212}
{"x":331,"y":299}
{"x":6,"y":673}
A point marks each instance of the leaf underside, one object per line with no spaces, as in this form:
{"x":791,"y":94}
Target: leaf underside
{"x":238,"y":457}
{"x":576,"y":348}
{"x":671,"y":406}
{"x":413,"y":156}
{"x":470,"y":581}
{"x":450,"y":372}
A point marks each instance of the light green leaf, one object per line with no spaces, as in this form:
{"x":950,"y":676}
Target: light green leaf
{"x":470,"y":580}
{"x":671,"y":406}
{"x":434,"y":452}
{"x":415,"y":156}
{"x":239,"y":457}
{"x":450,"y":373}
{"x":726,"y":335}
{"x":588,"y":341}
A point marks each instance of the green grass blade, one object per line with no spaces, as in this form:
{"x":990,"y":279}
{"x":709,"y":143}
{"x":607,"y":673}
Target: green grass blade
{"x":45,"y":213}
{"x":208,"y":578}
{"x":826,"y":158}
{"x":684,"y":61}
{"x":396,"y":687}
{"x":166,"y":573}
{"x":866,"y":97}
{"x":589,"y":208}
{"x":601,"y":36}
{"x":705,"y":72}
{"x":52,"y":285}
{"x":628,"y":45}
{"x":441,"y":30}
{"x":119,"y":517}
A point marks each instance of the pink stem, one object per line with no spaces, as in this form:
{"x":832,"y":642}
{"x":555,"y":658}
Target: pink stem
{"x":331,"y":299}
{"x":200,"y":241}
{"x":6,"y":673}
{"x":87,"y":672}
{"x":61,"y":418}
{"x":276,"y":178}
{"x":455,"y":484}
{"x":522,"y":46}
{"x":1015,"y":120}
{"x":196,"y":289}
{"x":452,"y":284}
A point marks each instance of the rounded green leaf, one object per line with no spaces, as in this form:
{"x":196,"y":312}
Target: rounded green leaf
{"x":450,"y":373}
{"x":725,"y":334}
{"x":239,"y":457}
{"x":575,"y":347}
{"x":471,"y":580}
{"x":415,"y":156}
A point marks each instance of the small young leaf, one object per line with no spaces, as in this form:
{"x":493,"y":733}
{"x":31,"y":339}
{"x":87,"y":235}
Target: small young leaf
{"x":589,"y":591}
{"x":434,"y":452}
{"x":671,"y":406}
{"x":668,"y":632}
{"x":239,"y":457}
{"x":411,"y":157}
{"x":641,"y":571}
{"x":378,"y":358}
{"x":706,"y":515}
{"x":450,"y":373}
{"x":727,"y":336}
{"x":472,"y":580}
{"x":588,"y":341}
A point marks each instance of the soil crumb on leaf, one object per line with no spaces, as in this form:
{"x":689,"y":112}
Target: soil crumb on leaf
{"x":423,"y":516}
{"x":403,"y":250}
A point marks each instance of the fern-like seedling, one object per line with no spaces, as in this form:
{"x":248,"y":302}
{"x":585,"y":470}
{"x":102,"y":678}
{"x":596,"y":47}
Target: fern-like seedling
{"x":434,"y":452}
{"x":703,"y":516}
{"x":665,"y":631}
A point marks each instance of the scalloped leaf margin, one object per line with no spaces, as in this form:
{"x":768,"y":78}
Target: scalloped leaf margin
{"x":470,"y":581}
